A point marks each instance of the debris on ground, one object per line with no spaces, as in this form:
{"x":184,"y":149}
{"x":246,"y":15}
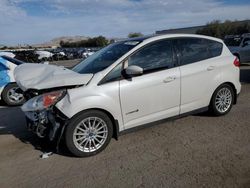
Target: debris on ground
{"x":46,"y":155}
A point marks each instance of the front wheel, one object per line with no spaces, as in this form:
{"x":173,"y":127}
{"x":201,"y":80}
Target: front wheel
{"x":222,"y":100}
{"x":88,"y":133}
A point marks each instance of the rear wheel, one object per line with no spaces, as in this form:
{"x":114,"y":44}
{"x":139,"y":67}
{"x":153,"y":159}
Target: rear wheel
{"x":88,"y":133}
{"x":222,"y":100}
{"x":12,"y":95}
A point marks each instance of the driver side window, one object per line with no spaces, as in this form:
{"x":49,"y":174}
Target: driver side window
{"x":153,"y":57}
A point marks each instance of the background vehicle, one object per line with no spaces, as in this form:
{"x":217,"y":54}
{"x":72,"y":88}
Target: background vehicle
{"x":9,"y":54}
{"x":87,"y":53}
{"x":239,"y":46}
{"x":10,"y":93}
{"x":44,"y":55}
{"x":128,"y":84}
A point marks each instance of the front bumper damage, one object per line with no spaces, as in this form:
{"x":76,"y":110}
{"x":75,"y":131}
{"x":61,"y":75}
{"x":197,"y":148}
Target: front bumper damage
{"x":48,"y":123}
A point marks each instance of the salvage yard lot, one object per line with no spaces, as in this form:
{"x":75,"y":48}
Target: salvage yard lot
{"x":194,"y":151}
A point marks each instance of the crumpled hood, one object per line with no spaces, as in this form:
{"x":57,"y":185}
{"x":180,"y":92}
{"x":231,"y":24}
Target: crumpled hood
{"x":41,"y":76}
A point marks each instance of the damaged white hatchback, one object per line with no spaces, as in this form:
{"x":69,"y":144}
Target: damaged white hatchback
{"x":128,"y":84}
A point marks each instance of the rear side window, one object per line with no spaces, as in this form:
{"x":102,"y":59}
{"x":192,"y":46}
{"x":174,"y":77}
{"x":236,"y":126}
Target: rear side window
{"x":214,"y":47}
{"x":196,"y":49}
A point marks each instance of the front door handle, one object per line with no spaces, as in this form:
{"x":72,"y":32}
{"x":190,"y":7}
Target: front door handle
{"x":210,"y":68}
{"x":169,"y":79}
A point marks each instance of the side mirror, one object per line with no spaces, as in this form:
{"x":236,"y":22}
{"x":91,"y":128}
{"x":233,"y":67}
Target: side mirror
{"x":133,"y":70}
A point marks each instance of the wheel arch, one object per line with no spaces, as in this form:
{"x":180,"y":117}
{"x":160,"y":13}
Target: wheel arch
{"x":114,"y":121}
{"x":234,"y":90}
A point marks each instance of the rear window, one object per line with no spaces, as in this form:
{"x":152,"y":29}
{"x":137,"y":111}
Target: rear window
{"x":196,"y":49}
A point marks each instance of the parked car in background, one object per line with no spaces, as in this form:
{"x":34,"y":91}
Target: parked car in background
{"x":44,"y":55}
{"x":87,"y":53}
{"x":9,"y":54}
{"x":128,"y":84}
{"x":27,"y":56}
{"x":59,"y":56}
{"x":10,"y":93}
{"x":239,"y":45}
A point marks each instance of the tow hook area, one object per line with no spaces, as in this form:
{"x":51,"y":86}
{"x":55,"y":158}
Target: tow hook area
{"x":46,"y":124}
{"x":42,"y":124}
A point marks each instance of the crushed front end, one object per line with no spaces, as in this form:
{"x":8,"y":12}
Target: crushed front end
{"x":42,"y":117}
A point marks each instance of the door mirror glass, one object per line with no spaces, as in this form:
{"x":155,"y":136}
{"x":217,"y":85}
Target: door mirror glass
{"x":133,"y":70}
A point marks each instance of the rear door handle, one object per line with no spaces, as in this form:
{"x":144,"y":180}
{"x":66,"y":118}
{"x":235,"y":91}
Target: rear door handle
{"x":210,"y":68}
{"x":169,"y":79}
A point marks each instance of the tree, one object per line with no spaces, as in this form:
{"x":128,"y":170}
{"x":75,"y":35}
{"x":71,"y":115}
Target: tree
{"x":91,"y":42}
{"x":220,"y":30}
{"x":133,"y":35}
{"x":100,"y":41}
{"x":4,"y":48}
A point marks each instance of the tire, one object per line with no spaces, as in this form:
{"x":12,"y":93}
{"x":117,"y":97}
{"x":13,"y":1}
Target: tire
{"x":83,"y":145}
{"x":222,"y":100}
{"x":12,"y":95}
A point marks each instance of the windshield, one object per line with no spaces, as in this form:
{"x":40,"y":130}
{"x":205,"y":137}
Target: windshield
{"x":233,"y":41}
{"x":105,"y":57}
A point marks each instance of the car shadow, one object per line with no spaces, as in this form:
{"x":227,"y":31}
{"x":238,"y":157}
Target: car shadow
{"x":13,"y":123}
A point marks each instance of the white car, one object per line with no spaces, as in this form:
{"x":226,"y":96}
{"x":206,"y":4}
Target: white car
{"x":87,"y":53}
{"x":44,"y":55}
{"x":127,"y":85}
{"x":10,"y":93}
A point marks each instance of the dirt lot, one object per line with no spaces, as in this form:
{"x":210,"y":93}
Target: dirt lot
{"x":195,"y":151}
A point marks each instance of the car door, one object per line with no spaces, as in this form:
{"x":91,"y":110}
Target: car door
{"x":154,"y":95}
{"x":199,"y":71}
{"x":4,"y":76}
{"x":245,"y":50}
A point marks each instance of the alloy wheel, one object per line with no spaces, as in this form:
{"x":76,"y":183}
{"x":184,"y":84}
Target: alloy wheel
{"x":14,"y":96}
{"x":90,"y":134}
{"x":223,"y":99}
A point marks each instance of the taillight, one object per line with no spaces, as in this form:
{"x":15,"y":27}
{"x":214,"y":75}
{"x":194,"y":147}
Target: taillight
{"x":237,"y":62}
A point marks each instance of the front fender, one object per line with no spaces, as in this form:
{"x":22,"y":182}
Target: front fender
{"x":81,"y":99}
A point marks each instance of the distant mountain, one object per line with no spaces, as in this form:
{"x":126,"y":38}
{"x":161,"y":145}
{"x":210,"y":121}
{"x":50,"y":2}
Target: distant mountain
{"x":56,"y":41}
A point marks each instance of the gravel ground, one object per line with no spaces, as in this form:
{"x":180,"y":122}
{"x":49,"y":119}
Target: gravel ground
{"x":195,"y":151}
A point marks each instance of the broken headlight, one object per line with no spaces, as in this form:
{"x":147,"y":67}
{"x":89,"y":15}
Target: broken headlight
{"x":43,"y":101}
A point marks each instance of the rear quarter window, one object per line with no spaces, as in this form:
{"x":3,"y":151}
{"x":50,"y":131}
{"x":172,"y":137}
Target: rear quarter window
{"x":214,"y":47}
{"x":193,"y":50}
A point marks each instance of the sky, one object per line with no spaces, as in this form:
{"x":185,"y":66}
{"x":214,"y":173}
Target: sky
{"x":38,"y":21}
